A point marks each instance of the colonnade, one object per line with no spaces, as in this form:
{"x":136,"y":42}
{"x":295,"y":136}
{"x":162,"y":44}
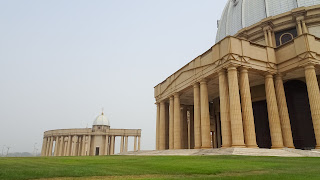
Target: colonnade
{"x":80,"y":145}
{"x":236,"y":113}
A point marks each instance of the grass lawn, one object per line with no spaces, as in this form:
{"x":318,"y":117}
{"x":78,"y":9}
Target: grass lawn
{"x":160,"y":167}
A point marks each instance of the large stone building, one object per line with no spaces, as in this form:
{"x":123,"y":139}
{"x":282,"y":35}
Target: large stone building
{"x":98,"y":140}
{"x":256,"y":87}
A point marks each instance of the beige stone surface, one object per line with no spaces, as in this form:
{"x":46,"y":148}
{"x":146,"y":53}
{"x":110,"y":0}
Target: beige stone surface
{"x":205,"y":116}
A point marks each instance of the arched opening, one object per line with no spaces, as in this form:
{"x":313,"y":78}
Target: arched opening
{"x":300,"y":114}
{"x":260,"y":113}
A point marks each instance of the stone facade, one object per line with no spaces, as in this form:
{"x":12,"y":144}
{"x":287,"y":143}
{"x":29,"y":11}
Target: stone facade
{"x":258,"y":88}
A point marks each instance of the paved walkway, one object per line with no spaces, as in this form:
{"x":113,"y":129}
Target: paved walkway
{"x":230,"y":151}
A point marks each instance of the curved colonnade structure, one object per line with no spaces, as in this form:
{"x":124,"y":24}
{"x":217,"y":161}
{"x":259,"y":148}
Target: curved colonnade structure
{"x":98,"y":140}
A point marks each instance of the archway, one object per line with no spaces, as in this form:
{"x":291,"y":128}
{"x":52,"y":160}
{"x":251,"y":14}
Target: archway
{"x":300,"y":114}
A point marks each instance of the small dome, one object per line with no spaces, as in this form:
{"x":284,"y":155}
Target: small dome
{"x":239,"y":14}
{"x":101,"y":120}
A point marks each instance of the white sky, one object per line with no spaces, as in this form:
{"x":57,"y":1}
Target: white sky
{"x":61,"y":61}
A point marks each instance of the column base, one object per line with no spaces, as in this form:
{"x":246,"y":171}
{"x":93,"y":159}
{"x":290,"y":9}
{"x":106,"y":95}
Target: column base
{"x":226,"y":146}
{"x":197,"y":147}
{"x":238,"y":146}
{"x":292,"y":147}
{"x":279,"y":147}
{"x":206,"y":147}
{"x":253,"y":146}
{"x":317,"y":147}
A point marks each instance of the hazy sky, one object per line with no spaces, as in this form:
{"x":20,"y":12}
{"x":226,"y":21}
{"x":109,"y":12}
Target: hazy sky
{"x":61,"y":61}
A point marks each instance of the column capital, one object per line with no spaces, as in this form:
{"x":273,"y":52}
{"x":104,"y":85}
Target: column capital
{"x":268,"y":75}
{"x":309,"y":66}
{"x":203,"y":81}
{"x":244,"y":69}
{"x":232,"y":67}
{"x":171,"y":97}
{"x":176,"y":95}
{"x":279,"y":76}
{"x":196,"y":84}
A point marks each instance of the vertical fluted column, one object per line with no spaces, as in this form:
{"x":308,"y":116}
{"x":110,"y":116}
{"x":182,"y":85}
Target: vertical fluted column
{"x":247,"y":112}
{"x":89,"y":146}
{"x":126,"y":144}
{"x":135,"y":143}
{"x":266,"y":37}
{"x":44,"y":145}
{"x":314,"y":100}
{"x":299,"y":28}
{"x":235,"y":108}
{"x":56,"y":146}
{"x":197,"y":116}
{"x":48,"y":146}
{"x":270,"y":37}
{"x":51,"y":146}
{"x":158,"y":126}
{"x":304,"y":27}
{"x":61,"y":143}
{"x":84,"y":143}
{"x":171,"y":123}
{"x":139,"y":142}
{"x":205,"y":116}
{"x":177,"y":122}
{"x":224,"y":110}
{"x":112,"y":145}
{"x":273,"y":114}
{"x":68,"y":153}
{"x":283,"y":113}
{"x":162,"y":132}
{"x":106,"y":147}
{"x":75,"y":146}
{"x":65,"y":141}
{"x":121,"y":144}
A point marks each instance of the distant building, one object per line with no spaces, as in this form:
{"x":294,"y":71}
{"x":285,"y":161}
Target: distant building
{"x":256,"y":87}
{"x":98,"y":140}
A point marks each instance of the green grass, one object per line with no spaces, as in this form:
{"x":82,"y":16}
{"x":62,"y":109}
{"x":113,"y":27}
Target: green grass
{"x":160,"y":167}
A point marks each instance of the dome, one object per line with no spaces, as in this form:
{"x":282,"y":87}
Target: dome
{"x":239,"y":14}
{"x":101,"y":120}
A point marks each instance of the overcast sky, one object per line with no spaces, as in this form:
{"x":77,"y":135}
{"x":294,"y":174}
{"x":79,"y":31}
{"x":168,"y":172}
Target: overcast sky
{"x":62,"y":61}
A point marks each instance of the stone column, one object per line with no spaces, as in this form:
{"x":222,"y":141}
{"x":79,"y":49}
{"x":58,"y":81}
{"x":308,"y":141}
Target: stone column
{"x":224,"y":110}
{"x":177,"y":122}
{"x":75,"y":146}
{"x":304,"y":27}
{"x":112,"y":145}
{"x":299,"y":28}
{"x":205,"y":116}
{"x":126,"y":144}
{"x":197,"y":116}
{"x":106,"y":148}
{"x":162,"y":132}
{"x":158,"y":126}
{"x":57,"y":146}
{"x":89,"y":146}
{"x":270,"y":38}
{"x":139,"y":141}
{"x":68,"y":153}
{"x":135,"y":143}
{"x":273,"y":114}
{"x":247,"y":112}
{"x":266,"y":37}
{"x":84,"y":144}
{"x":171,"y":123}
{"x":314,"y":100}
{"x":121,"y":144}
{"x":51,"y":146}
{"x":61,"y":146}
{"x":283,"y":113}
{"x":218,"y":130}
{"x":65,"y":141}
{"x":44,"y":145}
{"x":235,"y":108}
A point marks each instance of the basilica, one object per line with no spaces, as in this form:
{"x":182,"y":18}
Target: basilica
{"x":256,"y":87}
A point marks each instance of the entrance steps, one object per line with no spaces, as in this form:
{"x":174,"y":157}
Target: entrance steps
{"x":285,"y":152}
